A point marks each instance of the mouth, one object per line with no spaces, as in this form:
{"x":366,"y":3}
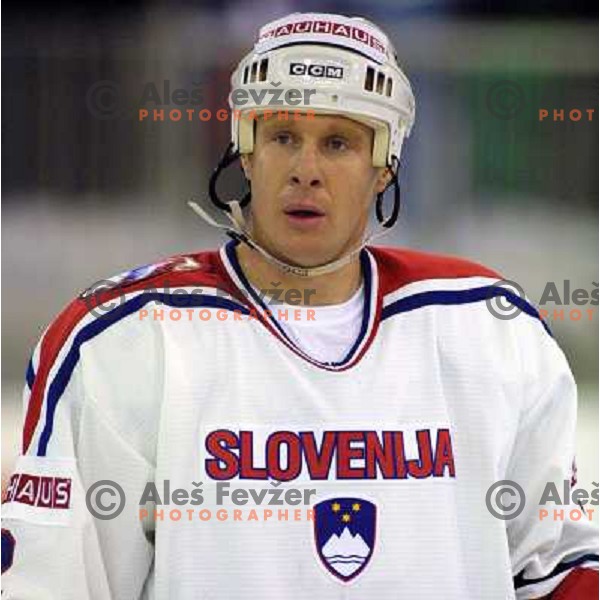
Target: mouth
{"x":304,"y":211}
{"x":304,"y":218}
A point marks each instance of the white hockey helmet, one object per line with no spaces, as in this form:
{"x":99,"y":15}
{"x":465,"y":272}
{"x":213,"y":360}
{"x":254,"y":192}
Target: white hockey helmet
{"x":329,"y":64}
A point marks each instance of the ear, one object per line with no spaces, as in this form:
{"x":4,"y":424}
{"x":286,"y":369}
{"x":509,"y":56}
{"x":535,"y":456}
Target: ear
{"x":383,"y":179}
{"x":246,"y":162}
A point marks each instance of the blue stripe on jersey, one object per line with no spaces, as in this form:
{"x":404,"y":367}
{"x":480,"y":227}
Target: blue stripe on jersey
{"x":63,"y":375}
{"x":454,"y":297}
{"x":520,"y":581}
{"x":367,"y":277}
{"x":30,"y":374}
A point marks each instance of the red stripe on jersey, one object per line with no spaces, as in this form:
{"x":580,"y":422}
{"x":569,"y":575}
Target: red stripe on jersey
{"x":580,"y":584}
{"x":400,"y":266}
{"x":53,"y":341}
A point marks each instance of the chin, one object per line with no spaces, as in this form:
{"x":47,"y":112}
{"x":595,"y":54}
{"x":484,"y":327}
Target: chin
{"x":302,"y":253}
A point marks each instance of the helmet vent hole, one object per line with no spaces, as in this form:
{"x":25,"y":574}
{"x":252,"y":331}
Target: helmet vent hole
{"x":388,"y":90}
{"x":369,"y":79}
{"x":253,"y":72}
{"x":380,"y":82}
{"x":246,"y":74}
{"x":264,"y":66}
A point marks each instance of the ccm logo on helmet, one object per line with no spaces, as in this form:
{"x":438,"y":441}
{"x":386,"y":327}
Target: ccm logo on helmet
{"x":317,"y":70}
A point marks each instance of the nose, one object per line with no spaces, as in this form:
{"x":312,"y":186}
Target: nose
{"x":306,"y":170}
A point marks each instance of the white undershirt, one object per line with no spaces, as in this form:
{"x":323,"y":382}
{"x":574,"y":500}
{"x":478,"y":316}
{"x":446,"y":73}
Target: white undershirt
{"x":332,"y":330}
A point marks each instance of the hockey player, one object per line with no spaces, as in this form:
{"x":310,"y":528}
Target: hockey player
{"x":205,"y":445}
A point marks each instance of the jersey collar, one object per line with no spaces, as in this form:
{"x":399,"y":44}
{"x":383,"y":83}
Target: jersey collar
{"x":370,"y":317}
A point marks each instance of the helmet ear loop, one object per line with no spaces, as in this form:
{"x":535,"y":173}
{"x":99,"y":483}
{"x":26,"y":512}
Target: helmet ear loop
{"x":227,"y":159}
{"x":391,"y":220}
{"x":248,"y":195}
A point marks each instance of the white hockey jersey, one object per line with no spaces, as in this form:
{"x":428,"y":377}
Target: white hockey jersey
{"x":236,"y":466}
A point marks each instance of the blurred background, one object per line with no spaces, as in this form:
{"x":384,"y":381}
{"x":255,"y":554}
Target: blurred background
{"x":89,"y":190}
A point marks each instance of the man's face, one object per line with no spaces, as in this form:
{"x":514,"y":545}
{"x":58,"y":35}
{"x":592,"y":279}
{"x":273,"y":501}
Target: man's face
{"x":313,"y":185}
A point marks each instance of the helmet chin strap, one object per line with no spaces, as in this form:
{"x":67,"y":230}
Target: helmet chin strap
{"x":237,"y":230}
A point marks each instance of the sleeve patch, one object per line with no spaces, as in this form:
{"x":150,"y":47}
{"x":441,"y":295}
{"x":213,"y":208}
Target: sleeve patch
{"x":40,"y":490}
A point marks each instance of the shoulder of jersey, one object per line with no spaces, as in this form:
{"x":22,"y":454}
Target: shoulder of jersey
{"x":201,"y":268}
{"x":103,"y":305}
{"x":401,"y":266}
{"x":198,"y":270}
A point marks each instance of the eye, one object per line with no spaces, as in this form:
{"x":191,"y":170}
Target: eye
{"x":282,"y":137}
{"x":338,"y":143}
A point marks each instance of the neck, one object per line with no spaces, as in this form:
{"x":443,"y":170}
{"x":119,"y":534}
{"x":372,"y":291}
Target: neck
{"x":332,"y":288}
